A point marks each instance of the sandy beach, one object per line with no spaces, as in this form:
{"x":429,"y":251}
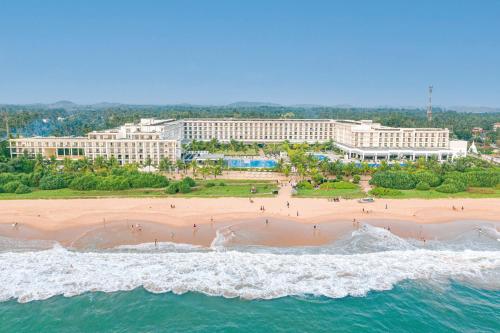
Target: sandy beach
{"x":113,"y":221}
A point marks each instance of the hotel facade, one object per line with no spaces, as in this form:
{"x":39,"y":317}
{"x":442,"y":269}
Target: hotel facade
{"x":156,"y":139}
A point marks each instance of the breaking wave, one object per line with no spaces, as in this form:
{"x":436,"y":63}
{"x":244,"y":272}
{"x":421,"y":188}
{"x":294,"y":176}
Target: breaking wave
{"x":377,"y":260}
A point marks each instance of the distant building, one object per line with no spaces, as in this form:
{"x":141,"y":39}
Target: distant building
{"x":477,"y":130}
{"x":496,"y":126}
{"x":154,"y":139}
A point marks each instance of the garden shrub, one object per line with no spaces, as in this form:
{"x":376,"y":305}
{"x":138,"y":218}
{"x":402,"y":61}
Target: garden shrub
{"x":448,"y":188}
{"x":483,"y":178}
{"x":184,"y":187}
{"x":189,"y":181}
{"x":173,"y":188}
{"x":210,"y":184}
{"x":22,"y":189}
{"x":327,"y":186}
{"x":7,"y":177}
{"x":356,"y":179}
{"x":423,"y":186}
{"x":382,"y":192}
{"x":304,"y":185}
{"x":12,"y":186}
{"x":428,"y":177}
{"x":52,"y":182}
{"x":400,"y":180}
{"x":146,"y":180}
{"x":112,"y":183}
{"x":452,"y":185}
{"x":85,"y":182}
{"x":342,"y":185}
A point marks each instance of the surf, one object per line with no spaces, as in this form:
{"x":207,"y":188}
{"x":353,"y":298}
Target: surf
{"x":370,"y":259}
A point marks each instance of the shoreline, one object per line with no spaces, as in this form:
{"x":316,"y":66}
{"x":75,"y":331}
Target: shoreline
{"x":105,"y":223}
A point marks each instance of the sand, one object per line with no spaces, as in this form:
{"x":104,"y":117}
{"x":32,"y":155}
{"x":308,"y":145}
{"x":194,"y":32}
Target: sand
{"x":75,"y":221}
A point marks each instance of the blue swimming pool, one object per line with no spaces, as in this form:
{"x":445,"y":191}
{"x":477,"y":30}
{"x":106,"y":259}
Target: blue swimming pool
{"x":243,"y":163}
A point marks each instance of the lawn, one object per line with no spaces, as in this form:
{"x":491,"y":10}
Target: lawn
{"x":67,"y":193}
{"x":320,"y":193}
{"x":432,"y":194}
{"x":233,"y":188}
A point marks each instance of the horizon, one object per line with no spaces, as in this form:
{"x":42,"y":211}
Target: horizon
{"x":243,"y":104}
{"x":360,"y":54}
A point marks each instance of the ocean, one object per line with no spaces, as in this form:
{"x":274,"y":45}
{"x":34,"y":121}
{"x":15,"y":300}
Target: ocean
{"x":370,"y":281}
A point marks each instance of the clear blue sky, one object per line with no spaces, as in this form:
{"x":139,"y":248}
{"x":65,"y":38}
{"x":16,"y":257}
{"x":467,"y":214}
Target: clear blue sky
{"x":216,"y":52}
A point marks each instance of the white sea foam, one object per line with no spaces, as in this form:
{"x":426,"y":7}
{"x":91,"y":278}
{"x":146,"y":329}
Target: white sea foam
{"x":39,"y":275}
{"x":370,"y":259}
{"x":160,"y":246}
{"x":222,"y":236}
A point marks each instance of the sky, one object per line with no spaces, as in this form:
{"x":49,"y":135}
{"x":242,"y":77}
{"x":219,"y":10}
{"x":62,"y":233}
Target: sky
{"x":363,"y":53}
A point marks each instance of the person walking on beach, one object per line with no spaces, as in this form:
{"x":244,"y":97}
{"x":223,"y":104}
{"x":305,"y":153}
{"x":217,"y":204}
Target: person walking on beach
{"x":297,"y":213}
{"x":287,"y":204}
{"x":385,"y":206}
{"x":156,"y":243}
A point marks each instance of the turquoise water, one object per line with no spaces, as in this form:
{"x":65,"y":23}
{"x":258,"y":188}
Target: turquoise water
{"x":370,"y":280}
{"x":242,"y":163}
{"x":409,"y":307}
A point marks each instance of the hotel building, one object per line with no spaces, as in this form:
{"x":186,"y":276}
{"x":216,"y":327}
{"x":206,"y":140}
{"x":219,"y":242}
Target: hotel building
{"x":156,"y":139}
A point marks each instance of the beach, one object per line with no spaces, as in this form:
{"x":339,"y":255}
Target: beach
{"x":290,"y":221}
{"x":148,"y":252}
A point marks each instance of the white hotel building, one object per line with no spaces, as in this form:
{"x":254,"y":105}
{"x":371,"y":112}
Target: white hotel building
{"x":157,"y":139}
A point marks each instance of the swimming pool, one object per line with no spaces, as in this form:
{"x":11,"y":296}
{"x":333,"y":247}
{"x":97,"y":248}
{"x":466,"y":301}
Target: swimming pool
{"x":247,"y":163}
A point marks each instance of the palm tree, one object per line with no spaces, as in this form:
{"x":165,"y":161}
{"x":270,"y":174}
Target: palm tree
{"x":180,"y":165}
{"x":194,"y":166}
{"x":349,"y":169}
{"x":217,"y":170}
{"x":99,"y":162}
{"x":205,"y":171}
{"x":287,"y":168}
{"x":85,"y":164}
{"x":165,"y":164}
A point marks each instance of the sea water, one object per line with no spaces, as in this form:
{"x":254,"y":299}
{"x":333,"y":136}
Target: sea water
{"x":369,"y":281}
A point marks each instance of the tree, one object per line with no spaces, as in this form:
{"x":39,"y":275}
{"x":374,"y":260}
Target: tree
{"x":99,"y":162}
{"x":205,"y":171}
{"x":287,"y":168}
{"x":180,"y":165}
{"x":52,"y":182}
{"x":165,"y":164}
{"x":194,"y":167}
{"x":217,"y":170}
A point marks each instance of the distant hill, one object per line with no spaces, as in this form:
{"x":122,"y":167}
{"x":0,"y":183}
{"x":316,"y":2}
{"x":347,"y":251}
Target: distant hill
{"x":251,"y":104}
{"x":474,"y":109}
{"x":71,"y":106}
